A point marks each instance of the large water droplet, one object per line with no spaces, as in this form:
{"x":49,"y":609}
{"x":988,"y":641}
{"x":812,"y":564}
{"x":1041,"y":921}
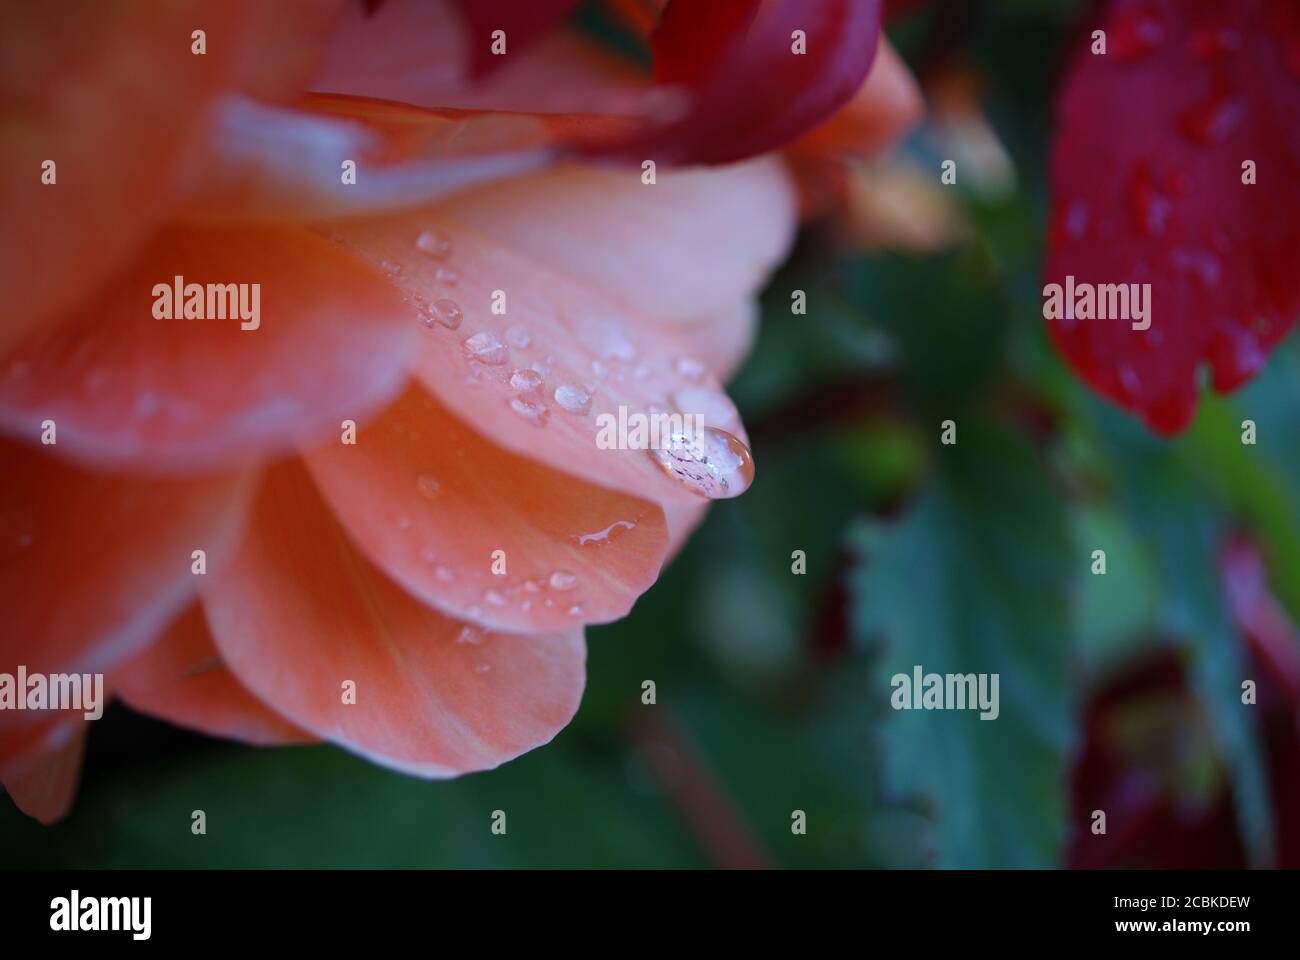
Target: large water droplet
{"x":434,"y":243}
{"x":486,"y":348}
{"x":573,"y":398}
{"x":716,"y":465}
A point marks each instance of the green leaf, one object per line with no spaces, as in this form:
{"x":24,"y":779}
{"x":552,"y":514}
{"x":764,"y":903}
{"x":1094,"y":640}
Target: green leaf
{"x":973,"y":580}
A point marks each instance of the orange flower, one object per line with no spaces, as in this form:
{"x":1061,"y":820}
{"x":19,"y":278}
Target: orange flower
{"x":375,"y":511}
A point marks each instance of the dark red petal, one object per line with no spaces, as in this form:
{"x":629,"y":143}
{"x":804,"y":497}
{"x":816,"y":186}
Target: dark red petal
{"x":1146,"y":174}
{"x":522,"y":20}
{"x":748,"y":91}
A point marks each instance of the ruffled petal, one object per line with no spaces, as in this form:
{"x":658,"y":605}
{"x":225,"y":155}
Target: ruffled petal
{"x":598,"y":355}
{"x":128,"y":390}
{"x":304,"y":621}
{"x":182,"y":679}
{"x":643,"y":244}
{"x":45,"y":790}
{"x":94,"y":566}
{"x":431,"y":502}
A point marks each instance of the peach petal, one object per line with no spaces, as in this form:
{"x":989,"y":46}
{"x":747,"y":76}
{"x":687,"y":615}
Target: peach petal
{"x":430,"y":502}
{"x":128,"y":390}
{"x":643,"y":244}
{"x":181,"y":678}
{"x":45,"y":790}
{"x":572,"y":333}
{"x":300,"y":612}
{"x":94,"y":566}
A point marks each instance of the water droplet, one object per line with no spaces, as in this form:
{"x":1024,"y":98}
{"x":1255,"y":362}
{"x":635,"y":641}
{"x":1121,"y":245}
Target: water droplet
{"x":483,"y":668}
{"x":1135,"y":33}
{"x":534,"y":411}
{"x":428,"y":486}
{"x":434,"y":243}
{"x":494,"y":598}
{"x":599,"y":369}
{"x":534,"y":586}
{"x":448,"y":313}
{"x":718,"y":466}
{"x":470,"y":635}
{"x":1151,"y":207}
{"x":447,"y":277}
{"x":486,"y":348}
{"x":1214,"y":121}
{"x":1204,"y":266}
{"x":525,"y":381}
{"x":606,"y":535}
{"x":1076,"y":220}
{"x":526,"y":606}
{"x":690,"y":368}
{"x":618,"y":347}
{"x":642,"y":372}
{"x":573,"y":398}
{"x":444,"y":573}
{"x":428,"y":556}
{"x":575,"y":610}
{"x":518,"y":336}
{"x":563,"y":580}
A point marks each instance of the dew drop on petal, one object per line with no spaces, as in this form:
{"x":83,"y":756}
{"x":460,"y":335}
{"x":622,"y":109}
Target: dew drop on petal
{"x":573,"y":398}
{"x":494,"y":598}
{"x":483,"y":668}
{"x":563,"y":580}
{"x":470,"y":634}
{"x":427,"y":485}
{"x":447,"y":277}
{"x":486,"y":348}
{"x":518,"y":336}
{"x":434,"y":243}
{"x":718,"y":466}
{"x":448,"y":313}
{"x":534,"y":411}
{"x":690,"y":368}
{"x":444,"y":573}
{"x":525,"y":381}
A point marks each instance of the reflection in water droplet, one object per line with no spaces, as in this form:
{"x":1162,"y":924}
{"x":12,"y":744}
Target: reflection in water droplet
{"x":428,"y":486}
{"x":434,"y":243}
{"x":573,"y":398}
{"x":525,"y":381}
{"x":606,"y":535}
{"x":718,"y":466}
{"x":563,"y":580}
{"x":486,"y":348}
{"x":519,"y":337}
{"x":534,"y":411}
